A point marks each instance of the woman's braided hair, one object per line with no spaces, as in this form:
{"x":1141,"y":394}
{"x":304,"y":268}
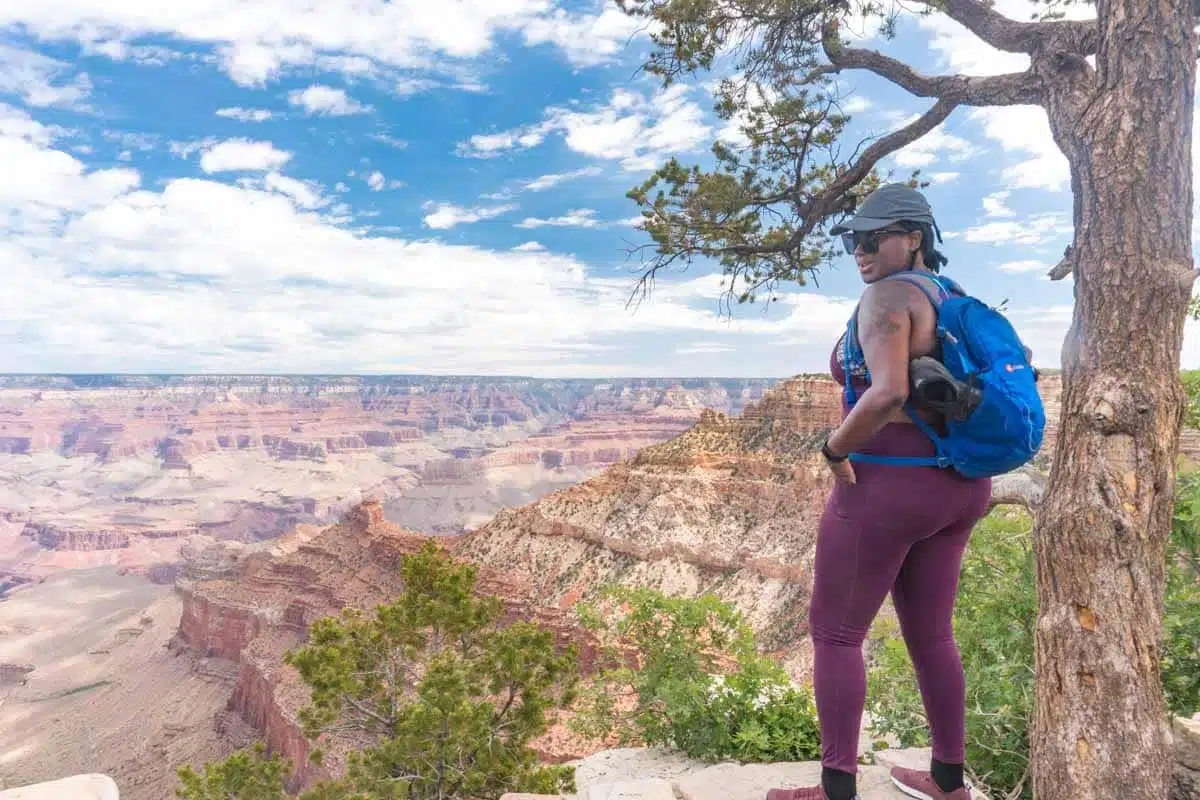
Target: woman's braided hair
{"x":934,"y":259}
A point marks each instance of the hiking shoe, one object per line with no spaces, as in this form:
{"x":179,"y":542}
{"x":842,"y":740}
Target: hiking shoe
{"x":809,"y":793}
{"x":920,"y":784}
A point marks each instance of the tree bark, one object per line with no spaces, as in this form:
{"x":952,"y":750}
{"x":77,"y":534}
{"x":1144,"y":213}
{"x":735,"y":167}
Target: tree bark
{"x":1101,"y":729}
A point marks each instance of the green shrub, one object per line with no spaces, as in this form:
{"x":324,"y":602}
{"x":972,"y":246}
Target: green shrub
{"x":1181,"y":633}
{"x":694,"y":680}
{"x":248,"y":774}
{"x":445,"y":699}
{"x":1191,"y":386}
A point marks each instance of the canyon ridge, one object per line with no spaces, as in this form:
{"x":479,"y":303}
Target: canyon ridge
{"x":689,"y":487}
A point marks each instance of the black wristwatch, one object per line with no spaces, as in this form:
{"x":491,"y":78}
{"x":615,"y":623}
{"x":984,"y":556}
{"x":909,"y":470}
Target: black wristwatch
{"x":829,"y":456}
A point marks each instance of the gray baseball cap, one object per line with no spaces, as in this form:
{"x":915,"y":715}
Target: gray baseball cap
{"x":892,"y":202}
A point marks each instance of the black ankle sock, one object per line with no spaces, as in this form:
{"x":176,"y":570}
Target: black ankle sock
{"x":948,"y":777}
{"x":838,"y":785}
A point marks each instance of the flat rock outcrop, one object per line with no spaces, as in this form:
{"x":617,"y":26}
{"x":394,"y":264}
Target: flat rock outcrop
{"x":652,"y":774}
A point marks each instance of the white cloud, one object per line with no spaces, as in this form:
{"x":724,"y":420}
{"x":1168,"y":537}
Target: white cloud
{"x":446,"y":215}
{"x":33,"y":77}
{"x":934,"y":147}
{"x":377,"y":182}
{"x":554,"y":179}
{"x":258,"y":42}
{"x":390,"y":141}
{"x":242,"y":155}
{"x":1021,"y":130}
{"x":1025,"y":131}
{"x":530,"y":246}
{"x":305,"y":194}
{"x":326,"y":101}
{"x":245,"y":114}
{"x":17,"y":124}
{"x":1037,"y":229}
{"x":489,"y":145}
{"x":856,"y":104}
{"x":143,"y":55}
{"x":267,"y":279}
{"x":993,"y":205}
{"x":132,"y":140}
{"x":576,"y":218}
{"x":637,"y":130}
{"x":943,"y":177}
{"x":587,"y":40}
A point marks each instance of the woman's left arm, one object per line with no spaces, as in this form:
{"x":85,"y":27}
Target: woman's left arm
{"x":884,"y":329}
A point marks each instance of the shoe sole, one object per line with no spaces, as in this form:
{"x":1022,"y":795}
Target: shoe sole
{"x":911,"y":792}
{"x":922,"y":795}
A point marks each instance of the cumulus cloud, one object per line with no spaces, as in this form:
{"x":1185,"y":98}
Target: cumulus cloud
{"x":1037,"y":229}
{"x":242,"y":155}
{"x":443,"y":216}
{"x":258,"y":42}
{"x":326,"y":101}
{"x":994,"y":205}
{"x":378,"y":183}
{"x":40,"y":80}
{"x":586,"y":39}
{"x":199,"y":275}
{"x":1022,"y":131}
{"x":576,"y":218}
{"x":935,"y":147}
{"x":637,"y":130}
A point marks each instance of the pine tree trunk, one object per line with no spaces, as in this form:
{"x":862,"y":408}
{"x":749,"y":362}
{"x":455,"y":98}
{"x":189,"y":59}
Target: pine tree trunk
{"x":1101,"y":730}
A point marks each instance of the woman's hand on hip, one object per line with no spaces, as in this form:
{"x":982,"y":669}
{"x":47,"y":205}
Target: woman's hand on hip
{"x":842,"y":470}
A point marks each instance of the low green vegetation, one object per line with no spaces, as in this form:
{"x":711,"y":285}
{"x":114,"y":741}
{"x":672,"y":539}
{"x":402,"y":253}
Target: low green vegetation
{"x":691,"y":678}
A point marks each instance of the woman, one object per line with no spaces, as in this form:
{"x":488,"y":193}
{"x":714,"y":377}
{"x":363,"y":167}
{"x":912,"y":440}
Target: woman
{"x":889,"y":528}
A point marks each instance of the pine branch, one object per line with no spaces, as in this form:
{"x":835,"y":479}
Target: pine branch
{"x":1018,"y":88}
{"x":1009,"y":35}
{"x":809,"y":213}
{"x":829,"y":200}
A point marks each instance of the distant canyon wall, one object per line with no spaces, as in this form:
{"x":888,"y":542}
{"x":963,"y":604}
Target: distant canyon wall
{"x":122,"y":469}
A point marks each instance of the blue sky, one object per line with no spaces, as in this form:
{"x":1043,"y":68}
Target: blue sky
{"x":274,"y":186}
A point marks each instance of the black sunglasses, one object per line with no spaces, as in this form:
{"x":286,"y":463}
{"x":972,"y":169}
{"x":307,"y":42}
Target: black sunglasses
{"x":868,"y":239}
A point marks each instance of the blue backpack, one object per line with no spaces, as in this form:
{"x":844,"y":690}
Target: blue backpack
{"x":980,"y":348}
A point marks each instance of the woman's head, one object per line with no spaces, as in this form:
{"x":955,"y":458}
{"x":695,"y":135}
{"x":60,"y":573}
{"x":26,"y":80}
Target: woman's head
{"x":892,"y":231}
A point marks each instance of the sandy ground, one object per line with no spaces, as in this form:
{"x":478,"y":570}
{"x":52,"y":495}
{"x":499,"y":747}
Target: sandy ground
{"x":105,"y":694}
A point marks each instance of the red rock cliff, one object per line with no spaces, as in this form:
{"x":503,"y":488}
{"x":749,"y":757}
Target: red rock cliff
{"x":256,"y":616}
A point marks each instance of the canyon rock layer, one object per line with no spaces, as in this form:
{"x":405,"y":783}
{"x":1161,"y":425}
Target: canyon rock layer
{"x":124,"y":470}
{"x":729,"y":505}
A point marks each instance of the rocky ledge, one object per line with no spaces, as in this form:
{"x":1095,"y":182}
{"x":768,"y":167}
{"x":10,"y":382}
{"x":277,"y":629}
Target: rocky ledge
{"x":651,"y":774}
{"x":730,"y":507}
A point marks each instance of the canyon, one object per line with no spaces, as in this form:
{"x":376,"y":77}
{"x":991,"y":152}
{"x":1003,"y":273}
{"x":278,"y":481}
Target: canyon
{"x":125,"y":470}
{"x":677,"y":495}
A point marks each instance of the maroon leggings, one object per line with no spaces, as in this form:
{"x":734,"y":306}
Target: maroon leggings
{"x":898,"y":529}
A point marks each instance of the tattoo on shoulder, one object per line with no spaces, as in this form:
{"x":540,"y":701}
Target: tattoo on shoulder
{"x":883,"y":309}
